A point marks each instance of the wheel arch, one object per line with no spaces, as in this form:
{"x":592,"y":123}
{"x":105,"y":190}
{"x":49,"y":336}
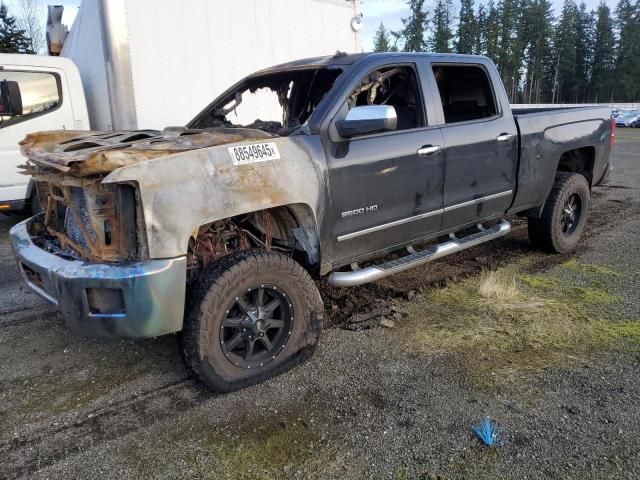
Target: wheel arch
{"x":293,"y":225}
{"x":578,"y":160}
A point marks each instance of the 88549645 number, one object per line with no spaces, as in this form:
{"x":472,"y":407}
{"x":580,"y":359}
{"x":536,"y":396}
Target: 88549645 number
{"x":257,"y":152}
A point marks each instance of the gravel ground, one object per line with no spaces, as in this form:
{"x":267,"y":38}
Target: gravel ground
{"x":367,"y":405}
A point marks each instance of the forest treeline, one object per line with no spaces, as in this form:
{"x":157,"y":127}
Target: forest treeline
{"x":577,"y":56}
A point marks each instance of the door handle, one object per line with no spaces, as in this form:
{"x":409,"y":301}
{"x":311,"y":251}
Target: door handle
{"x":429,"y":150}
{"x":505,"y":137}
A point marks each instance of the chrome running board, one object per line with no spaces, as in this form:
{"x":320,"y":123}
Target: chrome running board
{"x":376,"y":272}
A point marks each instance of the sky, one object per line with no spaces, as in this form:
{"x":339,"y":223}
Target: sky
{"x":390,"y":12}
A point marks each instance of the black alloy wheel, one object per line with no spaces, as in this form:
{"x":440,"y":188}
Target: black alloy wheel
{"x":256,"y":326}
{"x":571,"y":214}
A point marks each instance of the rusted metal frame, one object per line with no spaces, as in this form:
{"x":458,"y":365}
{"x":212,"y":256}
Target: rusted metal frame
{"x":79,"y":222}
{"x":268,"y":229}
{"x":60,"y":179}
{"x":49,"y":209}
{"x":67,"y":242}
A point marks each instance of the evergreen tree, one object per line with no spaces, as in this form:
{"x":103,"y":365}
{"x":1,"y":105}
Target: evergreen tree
{"x":537,"y":29}
{"x":491,"y":35}
{"x":12,"y":39}
{"x":564,"y":58}
{"x":442,"y":22}
{"x":603,"y":63}
{"x":481,"y":26}
{"x":467,"y":40}
{"x":382,"y":40}
{"x":412,"y":35}
{"x":627,"y":69}
{"x":584,"y":51}
{"x":509,"y":48}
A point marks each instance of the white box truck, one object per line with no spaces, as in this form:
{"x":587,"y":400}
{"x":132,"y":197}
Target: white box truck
{"x":143,"y":64}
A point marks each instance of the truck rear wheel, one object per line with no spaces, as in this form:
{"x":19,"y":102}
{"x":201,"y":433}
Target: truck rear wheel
{"x":250,"y":316}
{"x":564,"y":215}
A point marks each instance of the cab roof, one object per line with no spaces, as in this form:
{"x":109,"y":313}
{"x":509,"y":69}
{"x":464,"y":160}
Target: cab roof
{"x":342,"y":59}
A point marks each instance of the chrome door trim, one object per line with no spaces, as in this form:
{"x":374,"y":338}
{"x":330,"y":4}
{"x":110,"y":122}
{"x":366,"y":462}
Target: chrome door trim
{"x":475,"y":201}
{"x":505,"y":137}
{"x":349,"y":236}
{"x":430,"y":150}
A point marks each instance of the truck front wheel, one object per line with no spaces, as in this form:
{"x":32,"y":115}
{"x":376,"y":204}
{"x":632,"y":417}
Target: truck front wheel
{"x":564,"y":215}
{"x":249,"y":317}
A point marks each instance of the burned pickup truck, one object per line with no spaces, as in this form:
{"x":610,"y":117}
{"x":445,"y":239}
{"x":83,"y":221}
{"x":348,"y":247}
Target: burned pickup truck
{"x":218,"y":229}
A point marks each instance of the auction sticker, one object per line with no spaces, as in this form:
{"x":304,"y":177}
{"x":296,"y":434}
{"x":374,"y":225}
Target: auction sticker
{"x":257,"y":152}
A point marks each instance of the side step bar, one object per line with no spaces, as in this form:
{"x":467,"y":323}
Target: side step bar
{"x":376,"y":272}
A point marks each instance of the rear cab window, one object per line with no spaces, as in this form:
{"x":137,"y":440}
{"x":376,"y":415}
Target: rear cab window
{"x":40,"y":93}
{"x":465,"y":93}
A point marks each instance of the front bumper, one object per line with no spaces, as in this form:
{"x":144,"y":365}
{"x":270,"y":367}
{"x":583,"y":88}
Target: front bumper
{"x":142,"y":299}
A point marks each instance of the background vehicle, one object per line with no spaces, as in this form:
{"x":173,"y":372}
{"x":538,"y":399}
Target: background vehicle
{"x":52,"y":98}
{"x":135,"y":71}
{"x":629,"y":118}
{"x":416,"y":154}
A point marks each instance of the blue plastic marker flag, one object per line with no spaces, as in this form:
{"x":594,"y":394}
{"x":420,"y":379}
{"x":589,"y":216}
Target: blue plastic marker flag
{"x":487,"y":432}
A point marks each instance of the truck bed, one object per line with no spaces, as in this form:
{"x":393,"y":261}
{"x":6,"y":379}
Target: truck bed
{"x":545,"y":135}
{"x":525,"y":111}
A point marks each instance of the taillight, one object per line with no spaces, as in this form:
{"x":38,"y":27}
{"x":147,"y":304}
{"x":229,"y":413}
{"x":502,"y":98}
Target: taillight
{"x":612,"y":135}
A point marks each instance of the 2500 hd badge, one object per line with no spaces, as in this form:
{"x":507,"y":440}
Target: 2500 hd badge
{"x":359,"y":211}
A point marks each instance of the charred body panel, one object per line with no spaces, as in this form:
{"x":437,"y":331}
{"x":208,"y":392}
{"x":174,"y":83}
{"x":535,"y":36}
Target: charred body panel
{"x":84,"y":154}
{"x":183,"y":192}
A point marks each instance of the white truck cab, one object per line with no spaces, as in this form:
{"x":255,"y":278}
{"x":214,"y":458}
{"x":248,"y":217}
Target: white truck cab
{"x":51,"y":97}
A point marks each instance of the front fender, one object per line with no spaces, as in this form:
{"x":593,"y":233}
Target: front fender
{"x":182,"y":192}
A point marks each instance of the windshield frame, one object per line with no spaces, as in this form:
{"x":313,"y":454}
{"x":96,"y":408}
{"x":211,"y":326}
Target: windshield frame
{"x":246,"y":84}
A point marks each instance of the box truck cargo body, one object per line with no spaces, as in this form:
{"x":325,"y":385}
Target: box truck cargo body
{"x":159,"y":63}
{"x":144,"y":64}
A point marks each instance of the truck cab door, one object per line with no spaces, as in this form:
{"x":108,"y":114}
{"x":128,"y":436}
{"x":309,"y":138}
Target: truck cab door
{"x":385,"y":188}
{"x":44,"y":107}
{"x":480,"y":145}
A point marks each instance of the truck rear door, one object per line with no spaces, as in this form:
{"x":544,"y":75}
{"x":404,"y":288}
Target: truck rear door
{"x":480,"y":142}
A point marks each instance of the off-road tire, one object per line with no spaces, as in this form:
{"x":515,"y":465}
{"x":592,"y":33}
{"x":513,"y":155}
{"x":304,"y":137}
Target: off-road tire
{"x":210,"y":297}
{"x":546,"y":232}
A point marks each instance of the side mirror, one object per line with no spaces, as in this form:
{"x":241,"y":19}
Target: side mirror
{"x":367,"y":119}
{"x":10,"y":99}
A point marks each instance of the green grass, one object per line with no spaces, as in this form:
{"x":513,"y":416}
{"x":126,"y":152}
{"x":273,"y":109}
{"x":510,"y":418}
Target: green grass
{"x":590,"y":268}
{"x":506,"y":323}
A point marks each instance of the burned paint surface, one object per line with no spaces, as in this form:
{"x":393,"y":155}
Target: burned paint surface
{"x":84,"y":154}
{"x":184,"y":179}
{"x":184,"y":191}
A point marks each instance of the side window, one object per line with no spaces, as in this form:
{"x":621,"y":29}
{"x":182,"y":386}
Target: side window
{"x":40,"y":94}
{"x":394,"y":86}
{"x":465,"y":92}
